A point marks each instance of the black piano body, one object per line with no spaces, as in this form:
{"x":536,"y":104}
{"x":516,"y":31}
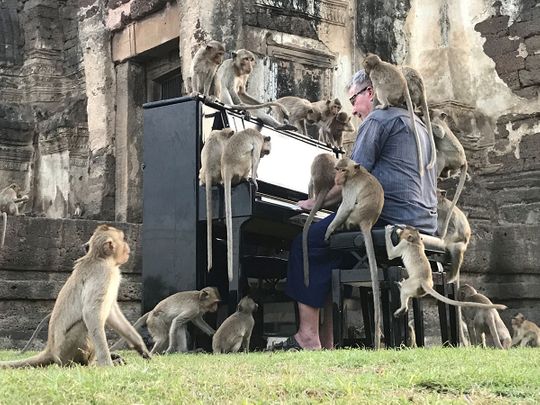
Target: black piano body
{"x":174,"y":228}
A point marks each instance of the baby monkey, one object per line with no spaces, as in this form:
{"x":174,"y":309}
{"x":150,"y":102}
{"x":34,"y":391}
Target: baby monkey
{"x":482,"y":321}
{"x":420,"y":281}
{"x":525,"y":332}
{"x":235,"y":332}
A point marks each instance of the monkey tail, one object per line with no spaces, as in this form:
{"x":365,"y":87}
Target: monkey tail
{"x":4,"y":229}
{"x":137,"y":325}
{"x":38,"y":329}
{"x":228,"y":222}
{"x":427,"y":288}
{"x":462,"y":177}
{"x":462,"y":339}
{"x":43,"y":358}
{"x":410,"y":107}
{"x":262,"y":105}
{"x":493,"y":331}
{"x":318,"y":204}
{"x":368,"y":241}
{"x":209,"y":218}
{"x":430,"y":131}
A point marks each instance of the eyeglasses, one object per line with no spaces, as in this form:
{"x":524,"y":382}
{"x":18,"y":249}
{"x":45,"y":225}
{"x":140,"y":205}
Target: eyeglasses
{"x":353,"y":97}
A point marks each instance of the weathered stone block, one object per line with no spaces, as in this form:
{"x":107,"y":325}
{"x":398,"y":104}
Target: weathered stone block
{"x":493,"y":26}
{"x":525,"y":29}
{"x":529,"y":77}
{"x":500,"y":46}
{"x":515,"y":249}
{"x":532,"y":62}
{"x":533,"y":44}
{"x":508,"y":63}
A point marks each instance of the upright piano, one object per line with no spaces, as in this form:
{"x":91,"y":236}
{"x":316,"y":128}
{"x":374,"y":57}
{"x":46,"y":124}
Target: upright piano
{"x":174,"y":228}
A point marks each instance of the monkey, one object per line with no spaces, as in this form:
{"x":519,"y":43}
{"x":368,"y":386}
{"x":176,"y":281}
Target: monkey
{"x":241,"y":155}
{"x":331,"y":131}
{"x":417,"y":91}
{"x":232,"y":76}
{"x":203,"y":69}
{"x":40,"y":326}
{"x":391,"y":90}
{"x":301,"y":111}
{"x":420,"y":281}
{"x":322,"y":180}
{"x":167,"y":322}
{"x":10,"y":199}
{"x":327,"y":108}
{"x":361,"y":204}
{"x":450,"y":155}
{"x":78,"y":211}
{"x":457,"y":241}
{"x":210,"y":174}
{"x":235,"y":331}
{"x":480,"y":321}
{"x":525,"y":332}
{"x":85,"y":304}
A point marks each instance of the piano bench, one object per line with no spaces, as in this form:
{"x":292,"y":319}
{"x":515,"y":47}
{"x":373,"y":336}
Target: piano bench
{"x":277,"y":314}
{"x":395,"y":330}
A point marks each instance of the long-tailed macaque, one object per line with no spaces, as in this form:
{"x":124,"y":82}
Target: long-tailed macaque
{"x":331,"y":131}
{"x":10,"y":199}
{"x":210,"y":174}
{"x":233,"y":75}
{"x":450,"y":156}
{"x":361,"y":204}
{"x":241,"y":156}
{"x":301,"y":112}
{"x":322,"y":180}
{"x":167,"y":322}
{"x":235,"y":331}
{"x":420,"y":281}
{"x":85,"y":304}
{"x":526,"y":333}
{"x":391,"y":89}
{"x":481,"y":321}
{"x":203,"y":69}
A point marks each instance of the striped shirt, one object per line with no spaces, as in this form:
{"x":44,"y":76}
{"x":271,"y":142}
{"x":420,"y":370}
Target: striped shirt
{"x":386,"y":147}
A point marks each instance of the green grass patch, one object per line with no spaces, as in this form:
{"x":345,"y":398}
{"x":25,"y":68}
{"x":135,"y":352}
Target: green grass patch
{"x":435,"y":375}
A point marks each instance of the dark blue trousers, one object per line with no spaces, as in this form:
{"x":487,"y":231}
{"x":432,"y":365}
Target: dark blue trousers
{"x":322,"y":261}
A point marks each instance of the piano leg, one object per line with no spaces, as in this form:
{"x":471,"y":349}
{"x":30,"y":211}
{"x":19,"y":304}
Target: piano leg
{"x":234,"y":285}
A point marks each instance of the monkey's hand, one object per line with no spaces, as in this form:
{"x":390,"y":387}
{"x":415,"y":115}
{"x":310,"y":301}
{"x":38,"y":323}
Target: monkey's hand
{"x":328,"y":233}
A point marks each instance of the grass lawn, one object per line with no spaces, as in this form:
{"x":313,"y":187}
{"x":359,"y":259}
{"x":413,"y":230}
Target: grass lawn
{"x":435,"y":375}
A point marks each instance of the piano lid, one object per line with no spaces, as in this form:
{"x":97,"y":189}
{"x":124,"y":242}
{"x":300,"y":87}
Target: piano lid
{"x":289,"y":163}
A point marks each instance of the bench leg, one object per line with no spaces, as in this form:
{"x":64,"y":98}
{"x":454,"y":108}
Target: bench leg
{"x":418,"y":314}
{"x":366,"y":301}
{"x":337,"y":307}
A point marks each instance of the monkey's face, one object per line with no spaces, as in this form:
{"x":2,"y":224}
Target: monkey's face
{"x":411,"y":235}
{"x":247,"y":305}
{"x":210,"y":298}
{"x":517,"y":320}
{"x":370,"y":61}
{"x":266,"y":147}
{"x":441,"y":195}
{"x":109,"y":243}
{"x":335,"y":107}
{"x":245,"y":61}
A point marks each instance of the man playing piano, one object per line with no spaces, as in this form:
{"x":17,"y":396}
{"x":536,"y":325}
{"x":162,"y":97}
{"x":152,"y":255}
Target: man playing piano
{"x":386,"y":147}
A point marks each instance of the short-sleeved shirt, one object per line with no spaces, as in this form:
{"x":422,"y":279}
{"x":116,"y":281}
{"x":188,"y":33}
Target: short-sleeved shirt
{"x":386,"y":147}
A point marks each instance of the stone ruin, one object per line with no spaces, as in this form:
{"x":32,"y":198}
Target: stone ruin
{"x":74,"y":76}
